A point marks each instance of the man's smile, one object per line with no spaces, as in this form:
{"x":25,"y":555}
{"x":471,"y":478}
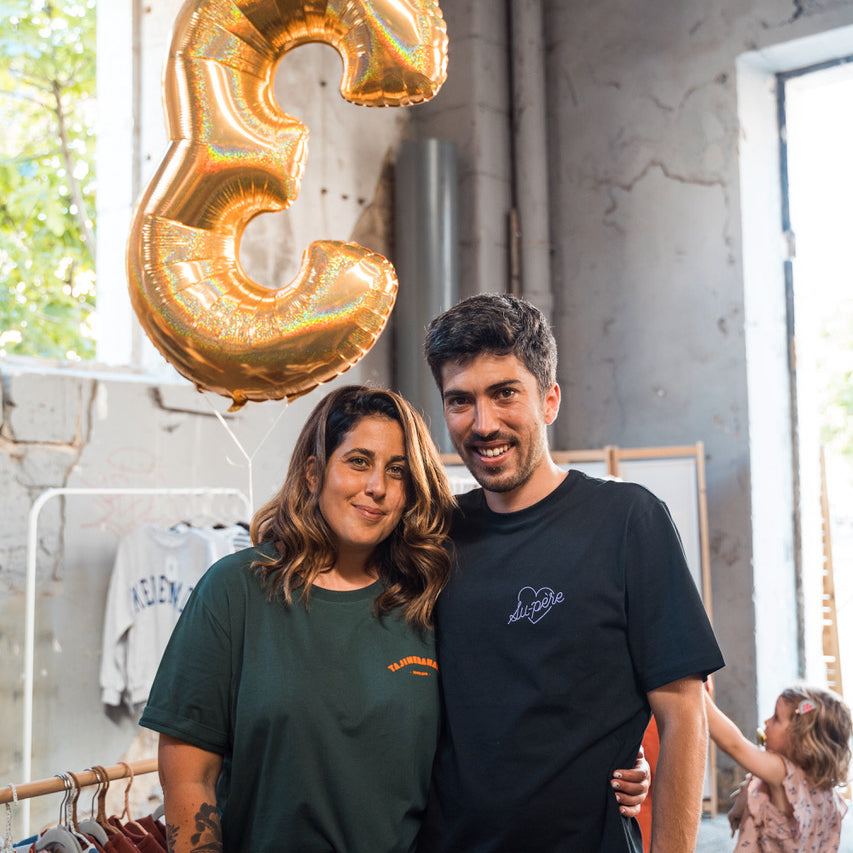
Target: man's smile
{"x":492,"y":452}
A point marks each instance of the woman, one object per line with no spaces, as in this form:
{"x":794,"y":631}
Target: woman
{"x":297,"y":700}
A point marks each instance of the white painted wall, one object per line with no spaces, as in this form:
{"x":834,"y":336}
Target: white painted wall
{"x":115,"y":425}
{"x":670,"y":297}
{"x":666,"y":265}
{"x":663,"y":209}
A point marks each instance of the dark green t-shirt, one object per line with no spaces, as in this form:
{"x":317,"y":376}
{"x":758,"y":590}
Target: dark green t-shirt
{"x":326,"y":718}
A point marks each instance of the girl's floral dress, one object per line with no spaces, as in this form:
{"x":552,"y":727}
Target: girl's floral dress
{"x":814,"y":827}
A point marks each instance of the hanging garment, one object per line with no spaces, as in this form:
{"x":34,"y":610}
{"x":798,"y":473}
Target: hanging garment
{"x":224,"y":540}
{"x":139,"y":836}
{"x":154,"y":573}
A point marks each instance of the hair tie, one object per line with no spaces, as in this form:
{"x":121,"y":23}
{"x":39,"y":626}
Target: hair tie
{"x":804,"y":707}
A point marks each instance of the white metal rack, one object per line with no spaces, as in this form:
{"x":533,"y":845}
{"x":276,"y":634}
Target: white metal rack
{"x":30,"y":606}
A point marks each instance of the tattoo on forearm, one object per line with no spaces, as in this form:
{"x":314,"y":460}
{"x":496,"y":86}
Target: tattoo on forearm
{"x":171,"y":837}
{"x":208,"y":835}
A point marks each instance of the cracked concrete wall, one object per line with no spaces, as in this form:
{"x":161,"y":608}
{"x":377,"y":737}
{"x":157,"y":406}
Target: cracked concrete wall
{"x":648,"y":279}
{"x":472,"y":110}
{"x":63,"y":427}
{"x":66,"y":430}
{"x":648,"y":263}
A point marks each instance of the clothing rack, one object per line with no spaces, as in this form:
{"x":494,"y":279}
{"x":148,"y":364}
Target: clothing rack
{"x":30,"y":596}
{"x":56,"y":784}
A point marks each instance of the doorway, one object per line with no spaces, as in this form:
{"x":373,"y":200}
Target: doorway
{"x":816,"y":124}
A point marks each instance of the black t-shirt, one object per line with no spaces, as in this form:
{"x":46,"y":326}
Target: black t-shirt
{"x":558,"y":620}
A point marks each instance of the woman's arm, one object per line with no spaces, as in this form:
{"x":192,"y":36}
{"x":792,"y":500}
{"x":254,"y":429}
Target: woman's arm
{"x":188,"y":776}
{"x":729,"y":738}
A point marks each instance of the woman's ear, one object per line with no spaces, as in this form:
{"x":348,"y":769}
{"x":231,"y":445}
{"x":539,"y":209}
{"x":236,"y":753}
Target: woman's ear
{"x":311,"y":475}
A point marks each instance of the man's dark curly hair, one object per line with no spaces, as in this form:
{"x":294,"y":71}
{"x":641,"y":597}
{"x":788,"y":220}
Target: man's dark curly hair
{"x":496,"y":324}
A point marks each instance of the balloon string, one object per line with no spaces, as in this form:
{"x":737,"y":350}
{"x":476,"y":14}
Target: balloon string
{"x":250,"y":459}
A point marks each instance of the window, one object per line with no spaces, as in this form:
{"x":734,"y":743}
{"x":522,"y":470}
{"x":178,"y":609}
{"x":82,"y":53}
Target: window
{"x":818,"y":130}
{"x":47,"y":178}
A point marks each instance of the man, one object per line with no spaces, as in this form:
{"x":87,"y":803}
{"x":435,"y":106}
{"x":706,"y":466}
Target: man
{"x":570,"y":615}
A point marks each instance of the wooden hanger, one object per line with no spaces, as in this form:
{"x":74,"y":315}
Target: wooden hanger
{"x":129,"y":821}
{"x":88,"y":826}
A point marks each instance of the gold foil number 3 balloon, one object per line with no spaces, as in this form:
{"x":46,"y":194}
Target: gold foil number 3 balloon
{"x":233,"y":155}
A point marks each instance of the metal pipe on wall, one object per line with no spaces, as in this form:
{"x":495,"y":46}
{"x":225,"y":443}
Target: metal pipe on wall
{"x":426,"y":256}
{"x":530,"y":151}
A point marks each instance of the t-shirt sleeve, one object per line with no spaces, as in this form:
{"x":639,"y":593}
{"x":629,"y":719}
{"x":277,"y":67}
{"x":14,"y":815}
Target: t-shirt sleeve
{"x":670,"y":635}
{"x":190,"y":697}
{"x":118,"y":620}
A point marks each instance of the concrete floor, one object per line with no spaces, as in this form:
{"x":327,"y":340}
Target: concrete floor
{"x":715,"y":835}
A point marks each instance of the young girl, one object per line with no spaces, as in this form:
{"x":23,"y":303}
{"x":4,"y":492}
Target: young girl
{"x":792,"y":804}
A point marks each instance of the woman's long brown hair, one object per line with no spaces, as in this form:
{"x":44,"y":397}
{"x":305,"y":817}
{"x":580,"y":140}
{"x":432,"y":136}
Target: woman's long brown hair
{"x":412,"y":563}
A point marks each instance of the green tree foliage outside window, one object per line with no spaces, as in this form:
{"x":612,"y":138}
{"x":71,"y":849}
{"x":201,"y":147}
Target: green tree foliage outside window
{"x":47,"y":177}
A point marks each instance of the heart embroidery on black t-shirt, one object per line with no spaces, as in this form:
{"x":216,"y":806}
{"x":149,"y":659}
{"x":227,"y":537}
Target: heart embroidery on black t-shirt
{"x":534,"y":604}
